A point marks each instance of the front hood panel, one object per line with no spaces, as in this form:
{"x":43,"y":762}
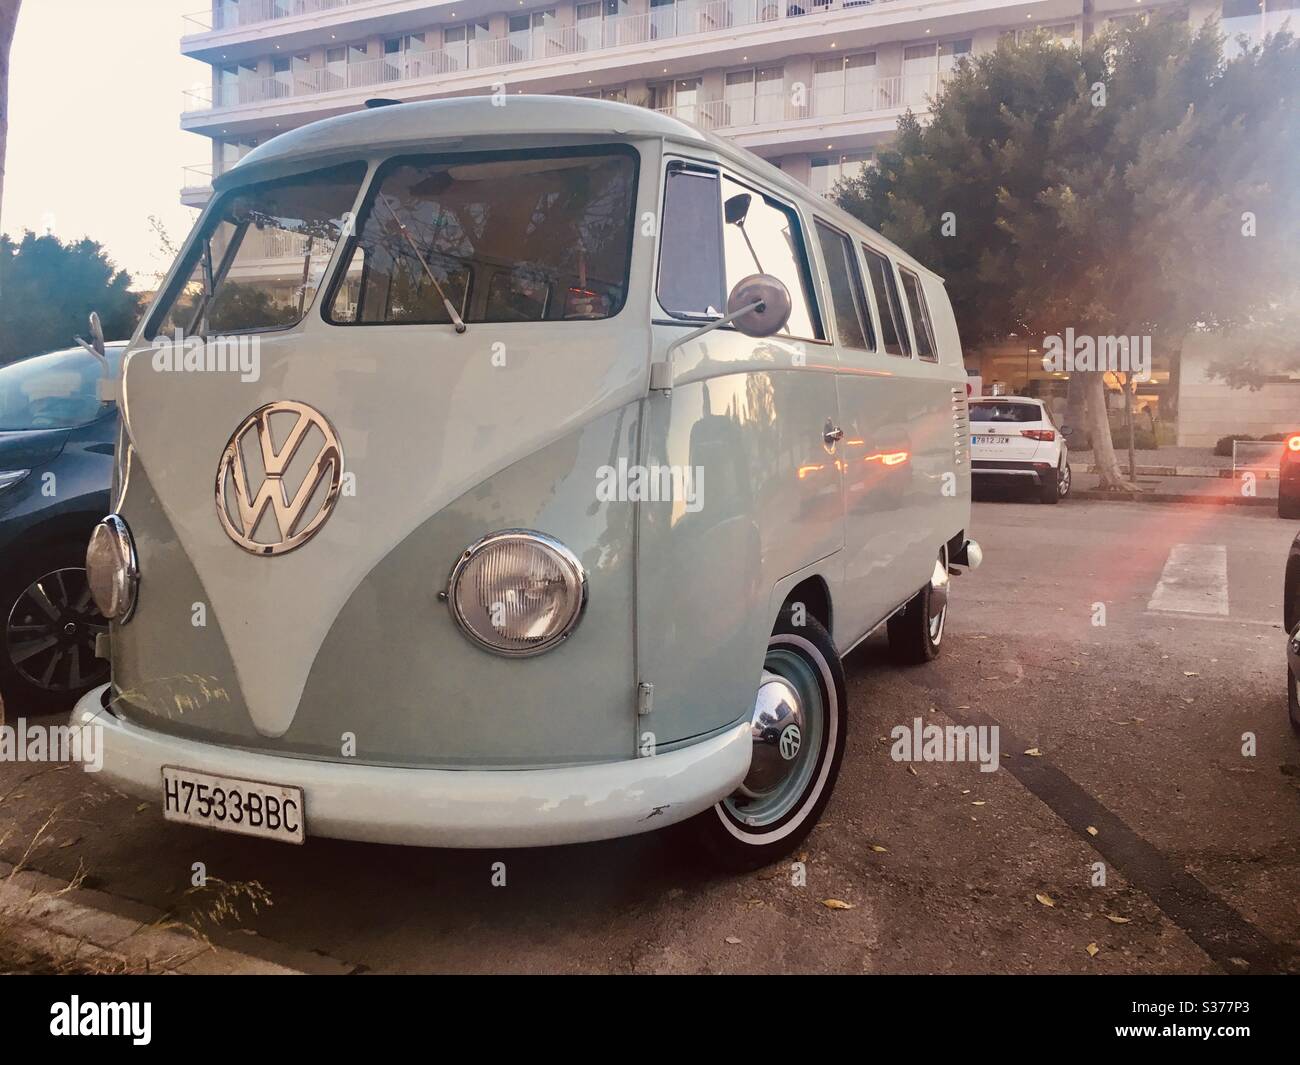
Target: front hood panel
{"x":28,"y":450}
{"x":421,"y":423}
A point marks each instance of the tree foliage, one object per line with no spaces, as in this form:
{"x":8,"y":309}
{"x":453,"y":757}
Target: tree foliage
{"x":48,"y":289}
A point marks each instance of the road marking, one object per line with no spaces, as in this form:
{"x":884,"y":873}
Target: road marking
{"x":1182,"y":616}
{"x":1213,"y":924}
{"x":1194,"y":581}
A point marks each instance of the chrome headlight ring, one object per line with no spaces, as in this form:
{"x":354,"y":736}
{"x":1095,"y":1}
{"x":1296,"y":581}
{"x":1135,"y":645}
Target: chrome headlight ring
{"x":517,"y":592}
{"x":113,"y":569}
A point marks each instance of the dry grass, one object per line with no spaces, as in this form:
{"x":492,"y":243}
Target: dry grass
{"x":31,"y":942}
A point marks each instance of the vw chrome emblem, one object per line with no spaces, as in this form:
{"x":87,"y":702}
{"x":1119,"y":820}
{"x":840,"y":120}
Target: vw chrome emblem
{"x":300,"y":494}
{"x":790,"y":741}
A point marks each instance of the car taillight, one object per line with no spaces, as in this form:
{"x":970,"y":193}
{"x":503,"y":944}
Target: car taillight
{"x":1293,"y":442}
{"x":1045,"y":435}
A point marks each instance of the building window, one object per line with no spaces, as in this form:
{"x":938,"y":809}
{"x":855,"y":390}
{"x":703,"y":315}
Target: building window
{"x":606,"y":24}
{"x":529,"y":34}
{"x":927,"y":66}
{"x":828,"y":170}
{"x":1254,"y":20}
{"x":460,"y":41}
{"x":844,"y":84}
{"x":754,"y":95}
{"x":680,"y":98}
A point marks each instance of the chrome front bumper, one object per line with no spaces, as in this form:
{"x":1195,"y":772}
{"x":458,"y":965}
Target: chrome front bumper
{"x":447,"y":808}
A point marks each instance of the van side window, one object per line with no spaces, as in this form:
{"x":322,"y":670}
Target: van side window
{"x":893,"y":327}
{"x":925,"y":346}
{"x":852,"y":319}
{"x":690,"y":250}
{"x":763,"y":236}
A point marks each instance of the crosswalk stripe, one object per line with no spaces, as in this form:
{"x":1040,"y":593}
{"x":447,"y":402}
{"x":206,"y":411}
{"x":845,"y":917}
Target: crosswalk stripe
{"x":1194,"y":581}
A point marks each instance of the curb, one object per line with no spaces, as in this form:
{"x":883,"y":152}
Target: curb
{"x":98,"y":929}
{"x":1172,"y":497}
{"x":1225,"y":472}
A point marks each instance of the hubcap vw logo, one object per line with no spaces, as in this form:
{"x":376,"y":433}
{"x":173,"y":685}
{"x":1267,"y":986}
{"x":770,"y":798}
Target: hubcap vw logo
{"x":790,"y":741}
{"x":299,"y":518}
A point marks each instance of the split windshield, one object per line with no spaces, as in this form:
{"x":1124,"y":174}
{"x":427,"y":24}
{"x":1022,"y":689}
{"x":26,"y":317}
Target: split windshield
{"x":262,"y":256}
{"x":542,"y":236}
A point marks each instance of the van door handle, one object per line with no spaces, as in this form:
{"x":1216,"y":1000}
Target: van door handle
{"x":832,"y":434}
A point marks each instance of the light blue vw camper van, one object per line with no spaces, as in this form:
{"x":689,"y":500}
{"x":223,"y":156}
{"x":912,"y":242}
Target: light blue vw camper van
{"x":500,"y":473}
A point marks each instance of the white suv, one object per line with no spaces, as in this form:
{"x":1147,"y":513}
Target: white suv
{"x":1013,"y":439}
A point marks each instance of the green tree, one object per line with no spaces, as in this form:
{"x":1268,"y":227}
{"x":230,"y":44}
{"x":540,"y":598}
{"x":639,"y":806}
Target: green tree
{"x":1136,"y":186}
{"x":48,"y":289}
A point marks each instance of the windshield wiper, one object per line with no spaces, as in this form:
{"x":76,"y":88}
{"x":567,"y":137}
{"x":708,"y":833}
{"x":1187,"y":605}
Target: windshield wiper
{"x":451,"y":310}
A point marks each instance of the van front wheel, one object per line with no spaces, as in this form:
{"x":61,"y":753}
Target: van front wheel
{"x":798,"y":729}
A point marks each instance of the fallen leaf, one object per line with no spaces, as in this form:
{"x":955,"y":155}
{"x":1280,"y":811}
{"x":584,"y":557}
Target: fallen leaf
{"x":912,"y":769}
{"x":1187,"y":674}
{"x":733,"y":940}
{"x":1034,"y":752}
{"x":837,"y":904}
{"x":142,"y":808}
{"x":1115,"y":918}
{"x":879,"y":849}
{"x":1093,"y":950}
{"x":978,"y":802}
{"x":965,"y":791}
{"x":1091,"y":830}
{"x":70,"y":843}
{"x":1046,"y":900}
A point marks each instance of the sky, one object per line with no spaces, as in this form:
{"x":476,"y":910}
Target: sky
{"x":95,"y":144}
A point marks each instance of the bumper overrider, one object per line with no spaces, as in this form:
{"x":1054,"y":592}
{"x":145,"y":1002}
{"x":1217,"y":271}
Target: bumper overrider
{"x":446,"y":808}
{"x":1038,"y":472}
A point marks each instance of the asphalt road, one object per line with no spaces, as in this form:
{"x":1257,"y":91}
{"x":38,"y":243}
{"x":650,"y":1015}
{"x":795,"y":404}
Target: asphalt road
{"x":1138,"y":726}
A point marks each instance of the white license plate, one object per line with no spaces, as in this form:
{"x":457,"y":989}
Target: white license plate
{"x":250,"y":807}
{"x":989,"y":439}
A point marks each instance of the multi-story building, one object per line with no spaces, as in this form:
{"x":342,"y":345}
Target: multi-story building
{"x":814,"y":86}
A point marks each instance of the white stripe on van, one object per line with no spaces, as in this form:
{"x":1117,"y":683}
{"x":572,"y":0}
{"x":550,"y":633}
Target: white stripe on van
{"x":1194,"y":581}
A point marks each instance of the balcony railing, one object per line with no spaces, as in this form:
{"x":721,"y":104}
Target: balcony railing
{"x":229,"y":16}
{"x":196,"y":177}
{"x":665,"y":23}
{"x":880,"y":94}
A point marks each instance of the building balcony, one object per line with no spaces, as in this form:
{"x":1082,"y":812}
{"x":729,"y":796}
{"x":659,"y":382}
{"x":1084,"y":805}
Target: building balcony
{"x":230,"y":16}
{"x":559,"y":59}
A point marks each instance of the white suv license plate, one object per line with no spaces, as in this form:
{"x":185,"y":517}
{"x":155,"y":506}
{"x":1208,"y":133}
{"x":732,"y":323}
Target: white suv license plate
{"x":989,"y":439}
{"x":228,"y":804}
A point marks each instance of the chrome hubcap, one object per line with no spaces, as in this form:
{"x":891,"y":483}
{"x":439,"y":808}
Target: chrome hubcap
{"x":1063,"y":483}
{"x":787,"y":731}
{"x":776,"y":730}
{"x":51,"y":630}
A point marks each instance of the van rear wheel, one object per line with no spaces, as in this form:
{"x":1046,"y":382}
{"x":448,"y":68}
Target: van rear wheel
{"x":798,"y":730}
{"x":916,"y":631}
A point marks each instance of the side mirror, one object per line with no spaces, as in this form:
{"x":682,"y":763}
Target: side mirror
{"x":736,"y":208}
{"x":97,"y":333}
{"x":769,"y":301}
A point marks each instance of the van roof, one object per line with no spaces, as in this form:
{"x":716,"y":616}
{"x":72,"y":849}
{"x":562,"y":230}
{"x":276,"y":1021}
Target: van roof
{"x":429,"y":123}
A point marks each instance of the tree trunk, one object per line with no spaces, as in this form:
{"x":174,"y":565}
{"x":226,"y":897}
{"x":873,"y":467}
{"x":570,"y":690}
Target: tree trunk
{"x":1103,"y":450}
{"x":1128,"y":424}
{"x":1075,"y":413}
{"x":8,"y":19}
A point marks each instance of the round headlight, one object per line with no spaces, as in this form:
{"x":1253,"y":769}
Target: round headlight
{"x":111,"y":569}
{"x":517,"y":592}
